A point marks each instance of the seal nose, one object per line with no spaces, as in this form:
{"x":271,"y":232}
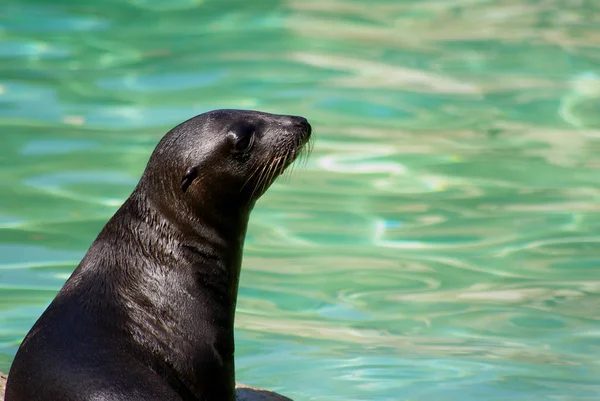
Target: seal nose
{"x":298,"y":122}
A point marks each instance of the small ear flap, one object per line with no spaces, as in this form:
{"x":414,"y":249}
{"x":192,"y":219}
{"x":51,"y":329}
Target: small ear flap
{"x":190,"y":175}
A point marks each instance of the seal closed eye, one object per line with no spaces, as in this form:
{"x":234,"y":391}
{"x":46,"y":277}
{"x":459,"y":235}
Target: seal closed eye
{"x":148,"y":314}
{"x":243,"y":139}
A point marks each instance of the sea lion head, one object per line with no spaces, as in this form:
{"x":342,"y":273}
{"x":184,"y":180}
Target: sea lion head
{"x":223,"y":159}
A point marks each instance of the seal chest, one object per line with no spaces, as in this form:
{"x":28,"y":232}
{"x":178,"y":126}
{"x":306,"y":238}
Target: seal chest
{"x":148,"y":313}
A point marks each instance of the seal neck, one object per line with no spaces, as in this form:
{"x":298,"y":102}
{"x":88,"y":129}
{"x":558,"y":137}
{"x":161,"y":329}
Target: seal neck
{"x":207,"y":243}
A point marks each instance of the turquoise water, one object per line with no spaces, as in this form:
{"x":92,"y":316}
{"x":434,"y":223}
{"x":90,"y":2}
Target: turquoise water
{"x":442,"y":241}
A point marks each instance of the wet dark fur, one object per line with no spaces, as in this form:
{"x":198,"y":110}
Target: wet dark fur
{"x":148,"y":314}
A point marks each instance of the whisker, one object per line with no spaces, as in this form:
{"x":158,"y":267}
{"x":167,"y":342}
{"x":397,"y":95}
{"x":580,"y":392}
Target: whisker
{"x":260,"y":178}
{"x":290,"y":171}
{"x":256,"y":167}
{"x":266,"y":179}
{"x":283,"y":172}
{"x":271,"y":172}
{"x":288,"y":156}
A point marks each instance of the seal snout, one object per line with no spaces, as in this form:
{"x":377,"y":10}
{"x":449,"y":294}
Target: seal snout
{"x":299,"y":125}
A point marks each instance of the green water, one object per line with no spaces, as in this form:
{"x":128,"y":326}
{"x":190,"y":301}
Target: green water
{"x":441,"y":243}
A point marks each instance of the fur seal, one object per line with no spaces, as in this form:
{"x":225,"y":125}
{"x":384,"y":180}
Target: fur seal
{"x":148,"y":314}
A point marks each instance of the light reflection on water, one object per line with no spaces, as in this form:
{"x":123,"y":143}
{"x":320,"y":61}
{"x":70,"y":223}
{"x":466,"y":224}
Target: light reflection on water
{"x":439,"y":244}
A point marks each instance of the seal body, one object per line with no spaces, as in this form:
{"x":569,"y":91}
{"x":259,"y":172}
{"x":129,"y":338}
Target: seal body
{"x":148,"y":314}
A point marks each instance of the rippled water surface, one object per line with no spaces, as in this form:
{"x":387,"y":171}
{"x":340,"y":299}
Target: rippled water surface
{"x":442,"y":241}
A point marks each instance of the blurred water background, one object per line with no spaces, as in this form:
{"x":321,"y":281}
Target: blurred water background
{"x":441,"y":243}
